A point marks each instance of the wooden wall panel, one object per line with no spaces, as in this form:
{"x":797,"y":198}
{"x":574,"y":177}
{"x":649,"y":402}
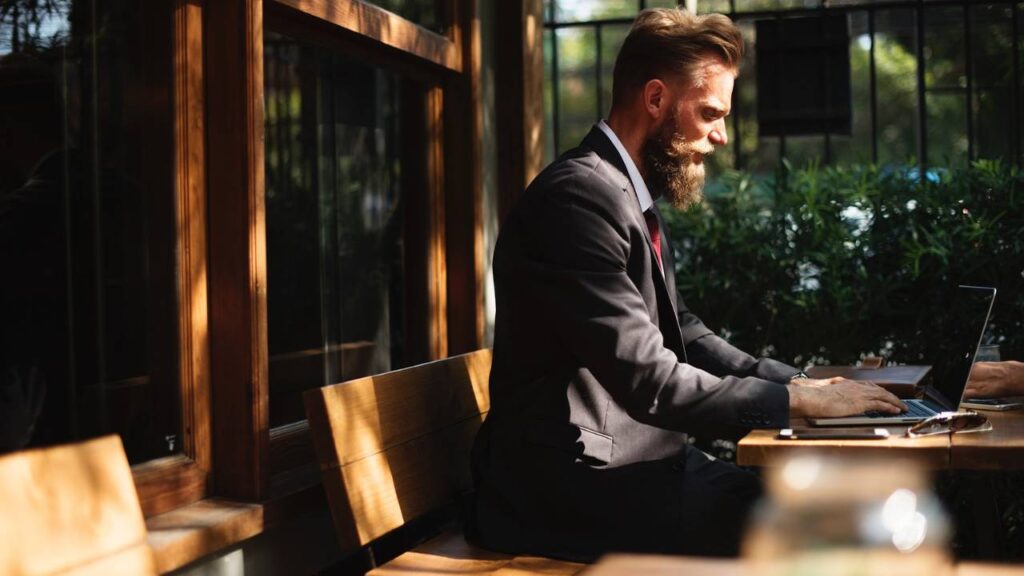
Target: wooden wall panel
{"x":238,"y":275}
{"x":423,"y":193}
{"x":519,"y":76}
{"x":464,"y":188}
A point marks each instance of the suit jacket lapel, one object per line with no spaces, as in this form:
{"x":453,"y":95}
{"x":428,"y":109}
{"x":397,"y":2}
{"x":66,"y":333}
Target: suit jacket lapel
{"x":664,"y":282}
{"x":597,"y":141}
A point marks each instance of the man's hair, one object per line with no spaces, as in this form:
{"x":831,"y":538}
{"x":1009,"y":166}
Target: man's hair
{"x":671,"y":42}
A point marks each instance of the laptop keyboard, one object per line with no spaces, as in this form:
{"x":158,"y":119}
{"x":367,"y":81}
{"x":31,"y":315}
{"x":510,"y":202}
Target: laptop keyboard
{"x":913,"y":409}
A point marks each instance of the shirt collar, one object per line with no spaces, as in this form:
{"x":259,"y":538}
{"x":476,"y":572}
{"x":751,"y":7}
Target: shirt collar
{"x":643,"y":195}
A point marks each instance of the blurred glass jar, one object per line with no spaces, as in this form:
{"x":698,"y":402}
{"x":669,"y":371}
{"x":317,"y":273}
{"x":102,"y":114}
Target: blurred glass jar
{"x":826,"y":516}
{"x":988,"y":353}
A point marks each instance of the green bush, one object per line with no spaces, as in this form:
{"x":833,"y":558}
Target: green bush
{"x":827,"y":265}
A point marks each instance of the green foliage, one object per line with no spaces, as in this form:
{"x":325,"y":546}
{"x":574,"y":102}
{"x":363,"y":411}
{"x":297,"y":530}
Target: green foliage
{"x":826,"y":265}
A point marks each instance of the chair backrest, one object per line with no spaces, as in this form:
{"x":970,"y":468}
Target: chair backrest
{"x":396,"y":446}
{"x":71,"y":510}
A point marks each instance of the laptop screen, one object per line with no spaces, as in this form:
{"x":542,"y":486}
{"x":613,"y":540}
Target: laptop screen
{"x":971,"y":310}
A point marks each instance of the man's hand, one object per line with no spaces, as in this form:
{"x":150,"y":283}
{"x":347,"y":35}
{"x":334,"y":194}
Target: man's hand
{"x":815,"y":382}
{"x":841,"y":397}
{"x":993,"y":379}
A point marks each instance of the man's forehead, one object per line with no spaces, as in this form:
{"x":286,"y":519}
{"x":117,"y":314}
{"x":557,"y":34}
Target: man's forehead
{"x":711,"y":71}
{"x":714,"y":101}
{"x":714,"y":86}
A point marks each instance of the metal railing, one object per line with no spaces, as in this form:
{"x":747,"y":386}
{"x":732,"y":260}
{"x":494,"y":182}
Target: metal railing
{"x":921,"y":10}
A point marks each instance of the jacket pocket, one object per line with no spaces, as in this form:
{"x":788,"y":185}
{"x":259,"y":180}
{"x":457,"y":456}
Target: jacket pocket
{"x":588,"y":445}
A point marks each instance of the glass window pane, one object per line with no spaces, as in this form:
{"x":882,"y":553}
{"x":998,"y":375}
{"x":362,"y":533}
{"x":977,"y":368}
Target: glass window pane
{"x":944,"y":47}
{"x":863,"y":2}
{"x":992,"y":134}
{"x":992,"y":71}
{"x":587,"y":10}
{"x":430,"y":14}
{"x":334,"y":184}
{"x":947,"y":128}
{"x":896,"y":78}
{"x":612,"y":37}
{"x":88,"y":321}
{"x":761,"y":5}
{"x":759,"y":155}
{"x":856,"y":148}
{"x":708,"y":6}
{"x":577,"y":85}
{"x":991,"y":45}
{"x":804,"y":150}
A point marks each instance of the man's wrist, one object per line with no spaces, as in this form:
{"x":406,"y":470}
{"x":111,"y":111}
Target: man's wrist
{"x":1016,"y":375}
{"x":797,"y":406}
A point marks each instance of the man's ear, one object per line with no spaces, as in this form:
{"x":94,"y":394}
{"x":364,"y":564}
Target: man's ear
{"x":655,"y":98}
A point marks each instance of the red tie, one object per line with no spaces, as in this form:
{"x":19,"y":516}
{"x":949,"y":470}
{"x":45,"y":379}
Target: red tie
{"x":655,"y":230}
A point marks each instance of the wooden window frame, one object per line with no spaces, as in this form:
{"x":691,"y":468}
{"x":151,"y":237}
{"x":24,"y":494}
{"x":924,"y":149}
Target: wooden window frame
{"x":229,"y":449}
{"x":248,"y":457}
{"x":387,"y":29}
{"x":167,"y":483}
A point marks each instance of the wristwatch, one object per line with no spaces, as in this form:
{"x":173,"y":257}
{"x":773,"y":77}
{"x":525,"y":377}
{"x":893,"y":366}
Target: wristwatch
{"x":800,"y":374}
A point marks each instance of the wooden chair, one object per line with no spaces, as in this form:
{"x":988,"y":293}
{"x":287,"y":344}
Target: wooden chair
{"x":71,"y":510}
{"x":395,"y":447}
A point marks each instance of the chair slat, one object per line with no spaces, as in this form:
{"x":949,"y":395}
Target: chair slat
{"x":71,"y":509}
{"x":396,"y":446}
{"x":369,"y":415}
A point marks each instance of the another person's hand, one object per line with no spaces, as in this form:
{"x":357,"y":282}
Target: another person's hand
{"x":841,"y":397}
{"x":994,"y":379}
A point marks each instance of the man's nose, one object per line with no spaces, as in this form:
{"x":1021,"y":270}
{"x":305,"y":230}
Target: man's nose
{"x":718,"y":135}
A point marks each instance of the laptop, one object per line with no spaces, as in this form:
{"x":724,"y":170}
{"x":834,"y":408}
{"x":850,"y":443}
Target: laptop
{"x":973,"y":306}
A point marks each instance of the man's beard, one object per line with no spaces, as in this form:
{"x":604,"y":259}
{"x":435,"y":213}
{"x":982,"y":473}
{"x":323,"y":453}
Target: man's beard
{"x":671,"y":171}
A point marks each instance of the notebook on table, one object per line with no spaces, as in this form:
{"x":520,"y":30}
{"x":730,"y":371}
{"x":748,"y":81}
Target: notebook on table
{"x":903,"y":381}
{"x":972,"y":307}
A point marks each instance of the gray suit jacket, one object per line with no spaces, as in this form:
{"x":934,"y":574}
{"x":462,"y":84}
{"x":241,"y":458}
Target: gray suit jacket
{"x":598,"y":364}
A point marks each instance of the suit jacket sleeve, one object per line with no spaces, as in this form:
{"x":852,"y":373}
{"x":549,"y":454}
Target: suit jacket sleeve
{"x":575,"y":265}
{"x":706,"y":349}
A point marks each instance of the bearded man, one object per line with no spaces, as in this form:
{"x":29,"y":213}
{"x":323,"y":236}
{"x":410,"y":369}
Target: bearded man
{"x":599,"y":368}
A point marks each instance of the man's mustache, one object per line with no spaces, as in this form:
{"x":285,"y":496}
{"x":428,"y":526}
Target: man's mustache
{"x":680,"y":148}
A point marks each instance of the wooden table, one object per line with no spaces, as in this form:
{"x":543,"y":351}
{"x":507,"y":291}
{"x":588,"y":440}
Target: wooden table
{"x":629,"y":565}
{"x":1000,"y":449}
{"x":760,"y":448}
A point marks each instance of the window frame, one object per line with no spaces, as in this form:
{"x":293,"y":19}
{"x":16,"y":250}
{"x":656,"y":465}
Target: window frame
{"x":250,"y":460}
{"x":167,"y":483}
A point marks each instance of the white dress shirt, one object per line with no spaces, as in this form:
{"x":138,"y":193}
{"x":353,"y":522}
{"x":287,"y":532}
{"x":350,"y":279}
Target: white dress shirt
{"x":643,"y":195}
